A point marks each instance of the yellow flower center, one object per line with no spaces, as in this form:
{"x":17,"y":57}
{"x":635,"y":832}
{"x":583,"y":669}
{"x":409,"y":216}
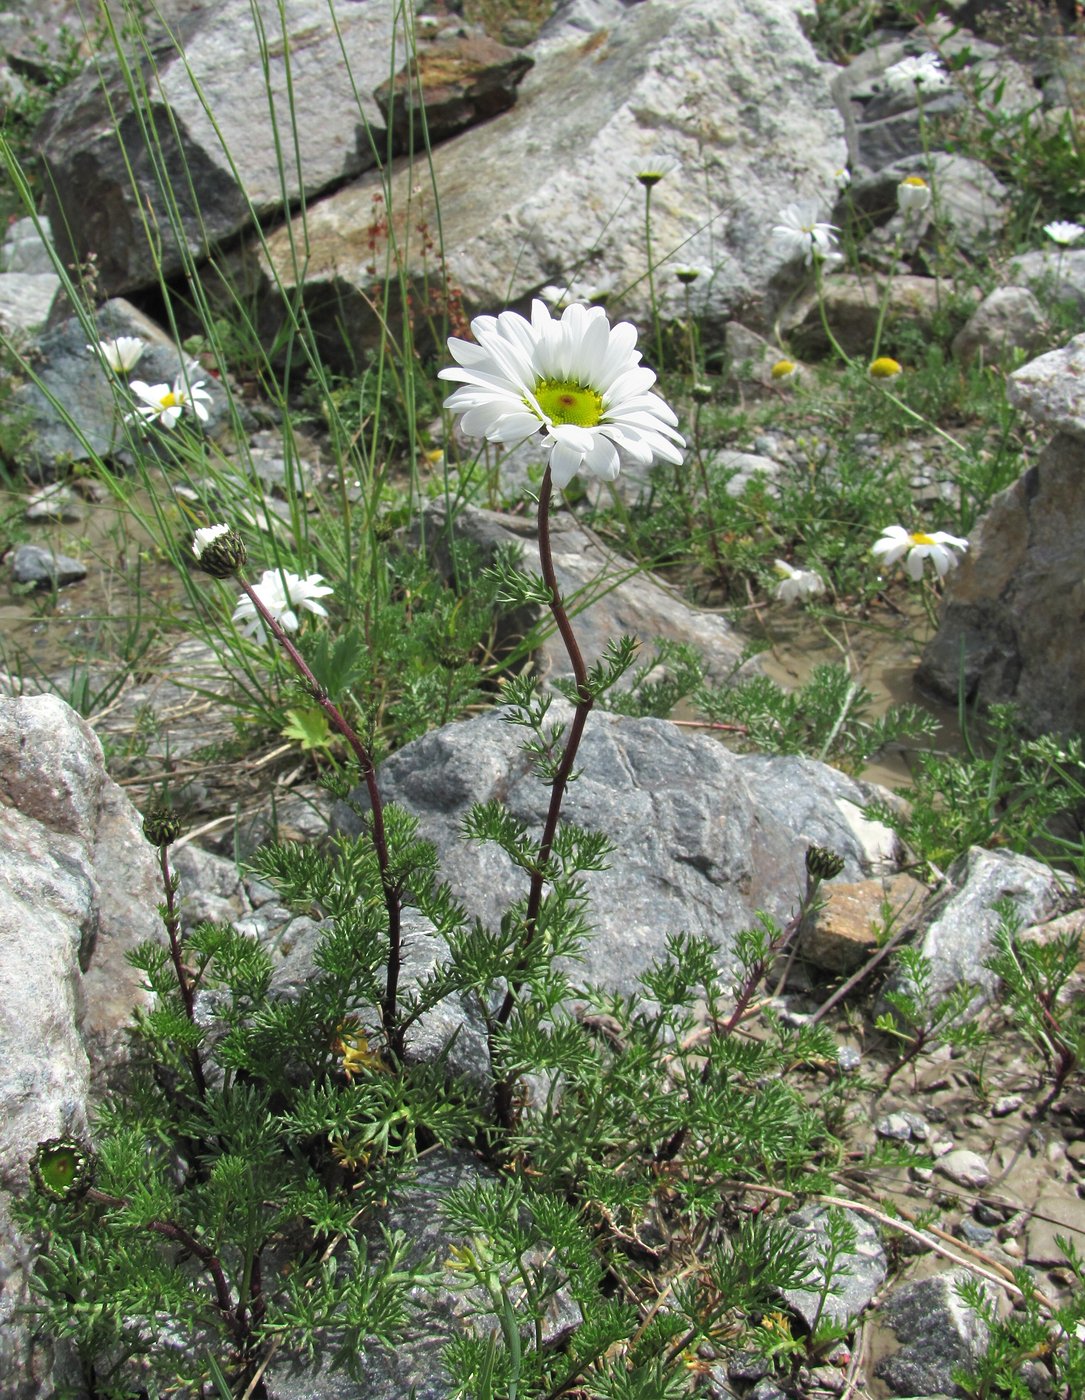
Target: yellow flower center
{"x":565,"y":402}
{"x":169,"y":400}
{"x":884,"y":368}
{"x":920,"y":538}
{"x":782,"y":368}
{"x":916,"y":181}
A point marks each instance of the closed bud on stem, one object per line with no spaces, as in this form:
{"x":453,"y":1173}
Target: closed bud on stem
{"x":161,"y":826}
{"x":219,"y":551}
{"x":823,"y":864}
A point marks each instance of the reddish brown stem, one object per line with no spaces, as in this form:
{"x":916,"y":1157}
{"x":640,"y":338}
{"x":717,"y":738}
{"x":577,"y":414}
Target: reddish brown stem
{"x":392,"y":899}
{"x":585,"y":701}
{"x":172,"y":921}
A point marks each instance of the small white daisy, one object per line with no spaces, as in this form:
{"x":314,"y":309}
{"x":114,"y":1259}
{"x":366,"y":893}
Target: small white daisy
{"x":842,"y":178}
{"x":897,"y":542}
{"x":925,"y":72}
{"x":166,"y":404}
{"x":796,"y":584}
{"x":120,"y":355}
{"x":578,"y":381}
{"x":799,"y":231}
{"x":1063,"y":232}
{"x":913,"y":195}
{"x":560,"y":297}
{"x":281,"y":592}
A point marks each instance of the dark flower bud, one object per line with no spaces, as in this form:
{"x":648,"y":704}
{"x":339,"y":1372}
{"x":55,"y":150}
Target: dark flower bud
{"x":822,"y":863}
{"x":160,"y":825}
{"x":61,"y":1168}
{"x":219,"y":551}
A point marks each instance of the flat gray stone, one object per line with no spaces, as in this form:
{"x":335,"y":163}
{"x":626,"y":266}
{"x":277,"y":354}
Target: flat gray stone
{"x":33,"y":564}
{"x":936,"y":1333}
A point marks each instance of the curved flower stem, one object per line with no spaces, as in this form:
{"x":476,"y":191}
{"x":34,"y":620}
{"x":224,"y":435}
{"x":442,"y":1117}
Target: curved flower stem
{"x":171,"y":917}
{"x":585,"y":700}
{"x":819,"y":287}
{"x":392,"y":898}
{"x":656,"y":326}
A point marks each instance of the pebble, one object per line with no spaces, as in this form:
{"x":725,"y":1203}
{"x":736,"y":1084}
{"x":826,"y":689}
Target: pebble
{"x":54,"y":502}
{"x":895,"y":1126}
{"x":1007,"y":1104}
{"x":849,"y":1059}
{"x":964,"y":1167}
{"x":44,"y":569}
{"x":972,"y":1232}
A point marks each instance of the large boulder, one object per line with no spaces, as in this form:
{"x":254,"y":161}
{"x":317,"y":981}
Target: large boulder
{"x":249,"y":106}
{"x":1011,"y":627}
{"x":727,"y":99}
{"x":703,"y":838}
{"x":78,"y":889}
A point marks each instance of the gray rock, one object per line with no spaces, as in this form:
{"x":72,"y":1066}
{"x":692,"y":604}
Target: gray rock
{"x":1058,"y":1212}
{"x":33,"y":564}
{"x":1011,"y":618}
{"x":965,"y":1168}
{"x":856,"y":1277}
{"x":1056,"y":275}
{"x":26,"y":247}
{"x":972,"y":1232}
{"x":853,"y":306}
{"x":937,"y":1333}
{"x":894,"y":1126}
{"x":55,"y":502}
{"x":960,"y":929}
{"x":731,"y":93}
{"x":703,"y":838}
{"x":1008,"y":322}
{"x":78,"y":890}
{"x":27,"y":300}
{"x":1051,"y":389}
{"x":222,"y":162}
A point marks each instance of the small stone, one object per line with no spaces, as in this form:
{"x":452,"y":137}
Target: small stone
{"x":894,"y":1126}
{"x":849,"y":1059}
{"x":972,"y":1232}
{"x":922,"y":1174}
{"x":54,"y":502}
{"x":919,"y":1127}
{"x":965,"y":1168}
{"x":1059,"y":1211}
{"x":748,"y":1366}
{"x":1007,"y":1104}
{"x":45,"y":569}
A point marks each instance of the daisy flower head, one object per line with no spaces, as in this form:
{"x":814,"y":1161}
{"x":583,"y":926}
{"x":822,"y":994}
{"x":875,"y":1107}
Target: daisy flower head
{"x":885,"y":367}
{"x":654,"y":168}
{"x":796,"y":584}
{"x":925,"y":72}
{"x":218,"y":550}
{"x":842,"y":178}
{"x":165,"y":404}
{"x":913,"y":195}
{"x":898,"y":543}
{"x":782,"y":371}
{"x":800,"y":232}
{"x":577,"y":380}
{"x":120,"y":355}
{"x":281,"y":592}
{"x":1064,"y":232}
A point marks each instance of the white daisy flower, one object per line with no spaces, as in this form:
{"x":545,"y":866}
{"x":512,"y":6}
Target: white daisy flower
{"x":577,"y":380}
{"x":926,"y":72}
{"x":913,"y":195}
{"x":653,"y":168}
{"x":842,"y":178}
{"x":896,"y":543}
{"x":800,"y":232}
{"x":796,"y":584}
{"x":120,"y":355}
{"x":166,"y":404}
{"x":281,"y":592}
{"x":1063,"y":232}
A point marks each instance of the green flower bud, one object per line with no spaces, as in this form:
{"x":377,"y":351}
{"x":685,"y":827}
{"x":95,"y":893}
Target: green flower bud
{"x":61,"y":1168}
{"x":219,"y":551}
{"x":822,"y":863}
{"x":160,"y":825}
